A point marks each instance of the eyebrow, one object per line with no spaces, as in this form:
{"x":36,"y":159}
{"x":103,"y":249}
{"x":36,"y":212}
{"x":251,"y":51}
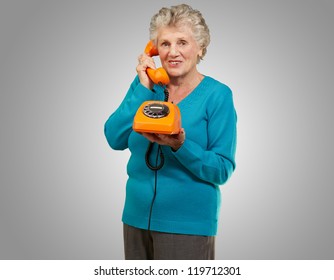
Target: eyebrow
{"x":177,"y":39}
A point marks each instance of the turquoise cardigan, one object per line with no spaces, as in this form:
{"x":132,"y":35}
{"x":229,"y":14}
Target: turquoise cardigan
{"x":183,"y":197}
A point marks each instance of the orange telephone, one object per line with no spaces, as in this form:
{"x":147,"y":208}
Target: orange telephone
{"x":161,"y":117}
{"x":158,"y":76}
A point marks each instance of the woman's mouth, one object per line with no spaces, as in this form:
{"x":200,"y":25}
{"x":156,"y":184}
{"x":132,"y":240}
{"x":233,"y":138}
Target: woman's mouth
{"x":174,"y":62}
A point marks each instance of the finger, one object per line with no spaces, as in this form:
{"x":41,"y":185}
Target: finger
{"x":182,"y":133}
{"x":146,"y":61}
{"x":150,"y":136}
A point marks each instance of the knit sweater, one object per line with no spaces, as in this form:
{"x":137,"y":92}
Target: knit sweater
{"x":183,"y":196}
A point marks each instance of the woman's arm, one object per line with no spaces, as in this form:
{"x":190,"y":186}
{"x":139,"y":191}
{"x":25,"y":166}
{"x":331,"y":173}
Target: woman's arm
{"x":216,"y":163}
{"x":119,"y":125}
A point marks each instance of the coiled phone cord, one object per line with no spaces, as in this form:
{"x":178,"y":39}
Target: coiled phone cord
{"x":147,"y":157}
{"x":150,"y":146}
{"x":166,"y":94}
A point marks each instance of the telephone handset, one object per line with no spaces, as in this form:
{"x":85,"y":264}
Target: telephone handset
{"x":153,"y":116}
{"x":158,"y":76}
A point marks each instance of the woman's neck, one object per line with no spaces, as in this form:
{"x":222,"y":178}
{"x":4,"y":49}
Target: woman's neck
{"x":181,"y":87}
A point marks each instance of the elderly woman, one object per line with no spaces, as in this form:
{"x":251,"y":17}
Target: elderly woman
{"x":172,"y":213}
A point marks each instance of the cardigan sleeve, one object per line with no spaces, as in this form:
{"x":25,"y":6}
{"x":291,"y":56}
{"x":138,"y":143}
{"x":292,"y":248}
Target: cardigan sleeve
{"x":119,"y":125}
{"x":216,"y":163}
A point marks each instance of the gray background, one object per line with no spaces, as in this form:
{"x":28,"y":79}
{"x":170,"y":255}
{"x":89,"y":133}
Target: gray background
{"x":65,"y":67}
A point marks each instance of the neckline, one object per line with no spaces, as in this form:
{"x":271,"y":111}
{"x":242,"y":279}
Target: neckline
{"x":192,"y":92}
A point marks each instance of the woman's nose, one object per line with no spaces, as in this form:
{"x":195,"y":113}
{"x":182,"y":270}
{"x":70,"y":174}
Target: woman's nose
{"x":173,"y":51}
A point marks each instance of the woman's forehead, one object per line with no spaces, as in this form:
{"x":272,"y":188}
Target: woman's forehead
{"x":169,"y":32}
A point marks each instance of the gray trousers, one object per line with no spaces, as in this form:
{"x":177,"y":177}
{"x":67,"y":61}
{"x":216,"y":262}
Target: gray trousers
{"x":140,"y":244}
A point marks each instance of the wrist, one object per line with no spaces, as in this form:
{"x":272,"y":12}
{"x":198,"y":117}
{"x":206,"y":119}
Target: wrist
{"x":175,"y":148}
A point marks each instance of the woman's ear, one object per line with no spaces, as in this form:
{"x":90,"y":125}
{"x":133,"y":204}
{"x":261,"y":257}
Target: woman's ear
{"x":200,"y":53}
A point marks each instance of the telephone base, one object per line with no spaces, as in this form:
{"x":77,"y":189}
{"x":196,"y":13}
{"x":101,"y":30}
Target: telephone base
{"x":157,"y":117}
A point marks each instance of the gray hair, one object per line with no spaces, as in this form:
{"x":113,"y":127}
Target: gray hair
{"x":182,"y":14}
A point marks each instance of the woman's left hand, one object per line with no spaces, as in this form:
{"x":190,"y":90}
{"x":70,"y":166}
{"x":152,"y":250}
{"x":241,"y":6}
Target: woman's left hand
{"x":175,"y":141}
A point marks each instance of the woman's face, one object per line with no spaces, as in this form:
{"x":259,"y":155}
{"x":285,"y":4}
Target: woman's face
{"x":178,"y":50}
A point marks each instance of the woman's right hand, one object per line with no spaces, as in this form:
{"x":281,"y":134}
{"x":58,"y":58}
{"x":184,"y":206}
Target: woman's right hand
{"x":145,"y":61}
